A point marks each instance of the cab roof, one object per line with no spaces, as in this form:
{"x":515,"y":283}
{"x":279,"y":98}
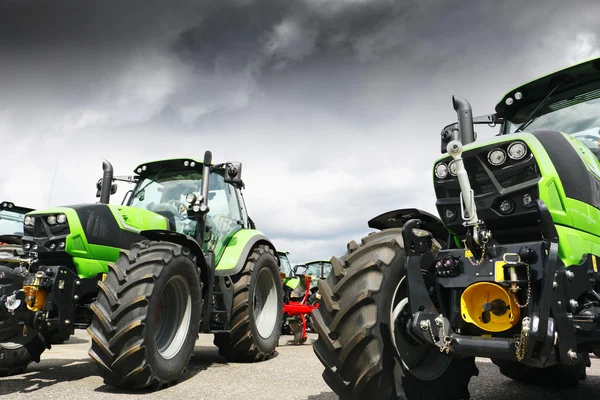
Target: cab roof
{"x":575,"y":76}
{"x":170,"y":164}
{"x":7,"y":205}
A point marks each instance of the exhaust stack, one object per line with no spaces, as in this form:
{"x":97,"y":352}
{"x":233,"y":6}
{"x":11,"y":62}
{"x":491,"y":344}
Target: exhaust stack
{"x":465,"y":119}
{"x":107,"y":178}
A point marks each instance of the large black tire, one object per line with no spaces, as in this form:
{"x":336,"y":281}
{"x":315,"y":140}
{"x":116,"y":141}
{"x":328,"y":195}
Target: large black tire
{"x":14,"y":357}
{"x":127,"y":328}
{"x":353,"y":324}
{"x":244,"y":343}
{"x":557,"y":376}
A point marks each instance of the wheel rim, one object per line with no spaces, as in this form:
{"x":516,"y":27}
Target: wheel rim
{"x":265,"y":303}
{"x":424,"y":362}
{"x":13,"y":339}
{"x":172,"y":317}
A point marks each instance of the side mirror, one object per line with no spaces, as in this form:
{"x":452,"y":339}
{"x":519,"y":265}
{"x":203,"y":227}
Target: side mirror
{"x":113,"y":188}
{"x":449,"y":133}
{"x":233,"y":173}
{"x":98,"y":187}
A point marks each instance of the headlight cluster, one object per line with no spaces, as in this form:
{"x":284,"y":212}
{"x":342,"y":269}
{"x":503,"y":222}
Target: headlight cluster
{"x":54,"y":219}
{"x":442,"y":170}
{"x":60,"y":246}
{"x":496,"y":157}
{"x":196,"y":203}
{"x":507,"y":206}
{"x":515,"y":151}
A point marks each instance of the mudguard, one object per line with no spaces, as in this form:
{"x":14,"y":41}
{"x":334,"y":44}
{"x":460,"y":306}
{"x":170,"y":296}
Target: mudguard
{"x":239,"y":247}
{"x":397,"y":219}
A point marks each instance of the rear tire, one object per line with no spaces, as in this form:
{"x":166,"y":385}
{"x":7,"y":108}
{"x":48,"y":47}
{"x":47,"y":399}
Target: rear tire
{"x":254,"y":333}
{"x":353,"y":323}
{"x":558,"y":375}
{"x":147,"y":316}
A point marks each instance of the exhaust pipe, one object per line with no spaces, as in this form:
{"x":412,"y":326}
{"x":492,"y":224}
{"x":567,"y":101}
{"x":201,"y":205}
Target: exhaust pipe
{"x":107,"y":178}
{"x":206,"y":175}
{"x":465,"y":119}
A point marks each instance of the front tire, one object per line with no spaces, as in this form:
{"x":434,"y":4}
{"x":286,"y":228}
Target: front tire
{"x":257,"y":311}
{"x":147,"y":316}
{"x":354,"y":320}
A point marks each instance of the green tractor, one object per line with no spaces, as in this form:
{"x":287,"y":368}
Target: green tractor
{"x":180,"y":257}
{"x":509,"y":272}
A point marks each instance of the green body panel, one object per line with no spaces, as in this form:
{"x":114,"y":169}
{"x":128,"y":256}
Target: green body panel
{"x":572,"y":217}
{"x":92,"y":259}
{"x":137,"y":219}
{"x":235,"y":249}
{"x":292,"y":283}
{"x":573,"y":244}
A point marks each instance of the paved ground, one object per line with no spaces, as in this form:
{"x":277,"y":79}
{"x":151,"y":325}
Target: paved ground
{"x":65,"y":372}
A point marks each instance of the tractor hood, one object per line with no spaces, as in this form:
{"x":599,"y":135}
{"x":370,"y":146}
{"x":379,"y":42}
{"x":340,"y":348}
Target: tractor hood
{"x":89,"y":234}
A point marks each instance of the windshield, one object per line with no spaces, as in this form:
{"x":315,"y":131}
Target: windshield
{"x":11,"y":223}
{"x":165,"y":194}
{"x":581,"y":120}
{"x":285,"y":265}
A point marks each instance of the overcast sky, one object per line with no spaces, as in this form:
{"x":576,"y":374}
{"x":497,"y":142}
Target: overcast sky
{"x":333,"y":106}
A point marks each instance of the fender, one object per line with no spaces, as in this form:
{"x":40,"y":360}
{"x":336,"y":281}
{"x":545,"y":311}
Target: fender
{"x":239,"y":247}
{"x":397,"y":219}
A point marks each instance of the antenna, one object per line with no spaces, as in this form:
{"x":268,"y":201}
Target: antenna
{"x":52,"y":184}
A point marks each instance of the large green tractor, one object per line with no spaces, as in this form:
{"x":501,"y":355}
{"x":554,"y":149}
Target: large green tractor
{"x":180,"y":257}
{"x":509,"y":272}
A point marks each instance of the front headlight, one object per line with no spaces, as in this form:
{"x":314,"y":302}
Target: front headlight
{"x":517,"y":150}
{"x":497,"y":157}
{"x":441,"y":170}
{"x":28,"y":221}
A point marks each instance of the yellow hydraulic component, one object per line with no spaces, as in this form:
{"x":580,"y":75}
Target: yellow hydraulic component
{"x":489,"y":306}
{"x":34,"y":295}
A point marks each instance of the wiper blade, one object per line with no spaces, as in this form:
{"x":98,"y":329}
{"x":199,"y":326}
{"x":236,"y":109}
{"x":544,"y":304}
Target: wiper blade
{"x":146,"y":185}
{"x":533,"y":115}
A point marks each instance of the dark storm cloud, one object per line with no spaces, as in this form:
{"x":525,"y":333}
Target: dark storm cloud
{"x":334,"y":106}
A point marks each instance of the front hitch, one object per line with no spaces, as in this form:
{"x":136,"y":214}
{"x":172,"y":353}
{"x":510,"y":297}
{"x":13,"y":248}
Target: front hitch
{"x":427,"y":325}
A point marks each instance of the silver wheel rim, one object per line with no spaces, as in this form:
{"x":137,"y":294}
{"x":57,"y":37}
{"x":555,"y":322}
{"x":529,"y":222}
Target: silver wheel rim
{"x":434,"y":363}
{"x":172,"y":317}
{"x":11,"y":345}
{"x":265,"y":303}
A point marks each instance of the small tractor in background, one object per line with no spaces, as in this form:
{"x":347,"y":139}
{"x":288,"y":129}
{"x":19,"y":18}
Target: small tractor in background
{"x":508,"y":272}
{"x":181,"y":257}
{"x":11,"y":224}
{"x":296,"y":306}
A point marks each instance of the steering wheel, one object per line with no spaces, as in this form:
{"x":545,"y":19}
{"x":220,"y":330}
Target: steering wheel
{"x":181,"y":208}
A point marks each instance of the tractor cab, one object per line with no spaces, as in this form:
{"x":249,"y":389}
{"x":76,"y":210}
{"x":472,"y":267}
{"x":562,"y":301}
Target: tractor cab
{"x":318,"y":269}
{"x":11,"y":222}
{"x":173,"y":189}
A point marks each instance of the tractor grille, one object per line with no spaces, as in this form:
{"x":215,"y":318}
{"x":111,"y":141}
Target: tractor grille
{"x":492,"y":185}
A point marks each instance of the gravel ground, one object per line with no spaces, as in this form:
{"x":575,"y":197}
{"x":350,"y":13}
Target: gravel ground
{"x":66,"y":372}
